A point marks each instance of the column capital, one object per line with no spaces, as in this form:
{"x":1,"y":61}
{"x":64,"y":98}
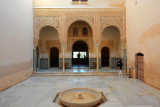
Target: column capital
{"x":63,"y":45}
{"x":35,"y":42}
{"x":97,"y":45}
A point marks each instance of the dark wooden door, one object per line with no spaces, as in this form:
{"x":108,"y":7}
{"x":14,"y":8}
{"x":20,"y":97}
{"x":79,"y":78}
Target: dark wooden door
{"x":140,"y":67}
{"x":105,"y":57}
{"x":54,"y":57}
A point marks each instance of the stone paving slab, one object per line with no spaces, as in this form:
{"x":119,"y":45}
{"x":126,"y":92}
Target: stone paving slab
{"x":39,"y":91}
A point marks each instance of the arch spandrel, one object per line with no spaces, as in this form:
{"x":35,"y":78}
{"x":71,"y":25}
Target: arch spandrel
{"x":120,"y":31}
{"x":35,"y":43}
{"x":116,"y":21}
{"x":122,"y":37}
{"x":41,"y":22}
{"x":71,"y":21}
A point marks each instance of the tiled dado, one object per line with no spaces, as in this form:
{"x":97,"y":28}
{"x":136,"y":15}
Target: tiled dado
{"x":93,"y":63}
{"x":114,"y":62}
{"x":68,"y":63}
{"x":44,"y":63}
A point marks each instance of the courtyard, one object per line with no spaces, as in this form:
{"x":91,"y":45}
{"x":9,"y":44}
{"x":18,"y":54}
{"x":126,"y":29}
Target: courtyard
{"x":39,"y":91}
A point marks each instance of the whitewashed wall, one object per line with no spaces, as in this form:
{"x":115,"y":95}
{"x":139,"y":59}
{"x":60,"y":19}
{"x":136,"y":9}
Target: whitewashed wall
{"x":16,"y":41}
{"x":143,"y":35}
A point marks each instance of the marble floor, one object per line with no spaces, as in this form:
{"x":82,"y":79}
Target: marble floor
{"x":75,"y":70}
{"x":80,"y":66}
{"x":39,"y":91}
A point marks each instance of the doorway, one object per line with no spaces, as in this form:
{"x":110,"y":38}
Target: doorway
{"x":80,"y":56}
{"x":140,"y":66}
{"x":54,"y":57}
{"x":105,"y":57}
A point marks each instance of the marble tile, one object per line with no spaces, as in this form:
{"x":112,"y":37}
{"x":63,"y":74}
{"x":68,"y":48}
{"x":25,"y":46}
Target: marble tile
{"x":80,"y":70}
{"x":39,"y":91}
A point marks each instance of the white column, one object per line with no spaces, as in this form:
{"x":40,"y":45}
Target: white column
{"x":63,"y":48}
{"x":97,"y":49}
{"x":121,"y":48}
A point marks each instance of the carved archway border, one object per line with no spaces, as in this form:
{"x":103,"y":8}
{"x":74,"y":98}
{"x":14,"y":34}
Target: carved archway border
{"x":41,"y":22}
{"x":88,"y":20}
{"x":121,"y":32}
{"x":122,"y":37}
{"x":116,"y":21}
{"x":39,"y":30}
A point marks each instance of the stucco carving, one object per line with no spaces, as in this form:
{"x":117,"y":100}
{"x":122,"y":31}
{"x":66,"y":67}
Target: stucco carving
{"x":35,"y":42}
{"x":47,"y":21}
{"x":106,"y":21}
{"x":71,"y":19}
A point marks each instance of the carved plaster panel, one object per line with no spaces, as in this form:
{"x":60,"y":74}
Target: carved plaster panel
{"x":47,"y":21}
{"x":106,"y":21}
{"x":71,"y":19}
{"x":35,"y":42}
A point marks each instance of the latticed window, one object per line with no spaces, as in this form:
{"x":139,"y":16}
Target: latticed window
{"x":75,"y":31}
{"x":79,"y":2}
{"x":85,"y":31}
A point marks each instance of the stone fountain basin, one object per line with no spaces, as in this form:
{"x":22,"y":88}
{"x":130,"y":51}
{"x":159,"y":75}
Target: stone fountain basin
{"x":80,"y":97}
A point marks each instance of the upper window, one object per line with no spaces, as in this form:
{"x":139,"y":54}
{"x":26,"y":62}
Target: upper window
{"x":85,"y":31}
{"x":79,"y":2}
{"x":75,"y":31}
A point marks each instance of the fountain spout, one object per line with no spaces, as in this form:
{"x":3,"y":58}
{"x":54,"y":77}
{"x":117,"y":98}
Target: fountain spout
{"x":80,"y":96}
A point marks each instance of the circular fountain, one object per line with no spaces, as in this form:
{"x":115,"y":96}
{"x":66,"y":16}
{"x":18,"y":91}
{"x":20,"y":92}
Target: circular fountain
{"x":80,"y":97}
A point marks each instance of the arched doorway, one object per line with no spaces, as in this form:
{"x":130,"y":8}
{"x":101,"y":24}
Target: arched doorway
{"x":54,"y":57}
{"x":140,"y":66}
{"x":105,"y":57}
{"x":111,"y":38}
{"x":80,"y":56}
{"x":48,"y":38}
{"x":79,"y":42}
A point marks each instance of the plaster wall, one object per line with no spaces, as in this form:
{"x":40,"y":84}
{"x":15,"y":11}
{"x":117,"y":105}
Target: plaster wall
{"x":143,"y":35}
{"x":16,"y":42}
{"x":69,"y":4}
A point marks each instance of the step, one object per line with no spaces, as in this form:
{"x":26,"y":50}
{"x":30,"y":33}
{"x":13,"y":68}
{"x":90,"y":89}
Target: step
{"x":80,"y":74}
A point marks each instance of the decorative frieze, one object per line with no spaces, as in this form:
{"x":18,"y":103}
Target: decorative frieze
{"x":47,"y":21}
{"x":106,"y":21}
{"x":70,"y":19}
